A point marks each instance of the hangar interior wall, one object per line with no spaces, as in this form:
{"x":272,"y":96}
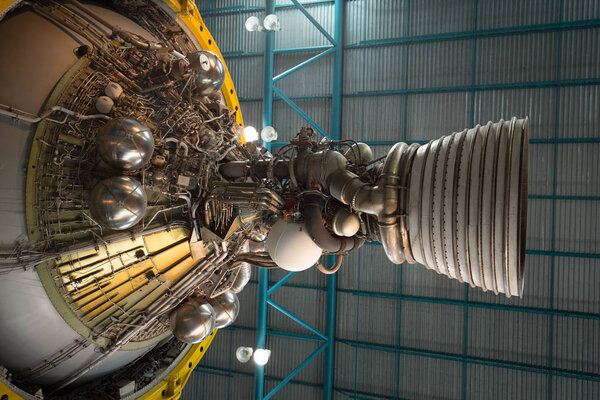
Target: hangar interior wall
{"x":413,"y":71}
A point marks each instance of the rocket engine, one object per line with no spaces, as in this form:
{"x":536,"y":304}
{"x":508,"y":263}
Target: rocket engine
{"x":457,"y":205}
{"x":139,"y":211}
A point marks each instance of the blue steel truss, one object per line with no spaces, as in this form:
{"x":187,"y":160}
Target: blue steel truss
{"x":264,"y":292}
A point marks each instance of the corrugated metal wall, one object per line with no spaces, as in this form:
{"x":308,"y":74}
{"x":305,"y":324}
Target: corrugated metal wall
{"x":415,"y":70}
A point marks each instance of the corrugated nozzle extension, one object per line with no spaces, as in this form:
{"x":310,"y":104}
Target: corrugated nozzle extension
{"x":467,"y":206}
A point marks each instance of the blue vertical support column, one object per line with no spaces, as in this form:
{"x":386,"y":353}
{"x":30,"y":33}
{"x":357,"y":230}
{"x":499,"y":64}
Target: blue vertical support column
{"x":267,"y":112}
{"x":267,"y":119}
{"x":336,"y":104}
{"x":331,"y":311}
{"x":263,"y":274}
{"x":261,"y":331}
{"x":336,"y":120}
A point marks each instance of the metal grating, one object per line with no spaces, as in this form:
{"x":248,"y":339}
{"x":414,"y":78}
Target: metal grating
{"x":414,"y":70}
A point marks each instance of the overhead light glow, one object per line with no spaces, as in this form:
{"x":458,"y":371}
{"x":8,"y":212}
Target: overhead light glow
{"x":250,"y":134}
{"x":261,"y":356}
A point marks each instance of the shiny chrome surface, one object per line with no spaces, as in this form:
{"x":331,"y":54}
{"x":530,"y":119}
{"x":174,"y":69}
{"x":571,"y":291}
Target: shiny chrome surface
{"x":226,"y":307}
{"x":42,"y":341}
{"x":125,"y":144}
{"x":242,"y":278}
{"x":192,"y":321}
{"x":210,"y":71}
{"x":118,"y":202}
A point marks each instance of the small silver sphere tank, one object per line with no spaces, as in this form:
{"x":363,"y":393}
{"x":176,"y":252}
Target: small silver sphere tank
{"x":210,"y":71}
{"x":192,"y":321}
{"x":118,"y":202}
{"x":227,"y":308}
{"x":125,"y":144}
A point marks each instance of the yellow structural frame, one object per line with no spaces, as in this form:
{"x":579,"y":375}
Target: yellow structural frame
{"x":171,"y":386}
{"x":167,"y":389}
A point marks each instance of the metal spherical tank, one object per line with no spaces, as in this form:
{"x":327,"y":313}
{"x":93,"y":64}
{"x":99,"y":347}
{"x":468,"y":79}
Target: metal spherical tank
{"x":227,"y":308}
{"x":345,"y":223}
{"x":125,"y":144}
{"x":192,"y":321}
{"x":290,"y":246}
{"x":210,"y":71}
{"x":359,"y":153}
{"x":118,"y":202}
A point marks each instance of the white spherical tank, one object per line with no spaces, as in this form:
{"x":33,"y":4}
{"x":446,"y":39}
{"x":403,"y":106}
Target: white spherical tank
{"x":290,"y":246}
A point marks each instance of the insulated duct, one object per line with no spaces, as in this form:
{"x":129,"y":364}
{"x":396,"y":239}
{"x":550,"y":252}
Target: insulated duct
{"x":457,"y":205}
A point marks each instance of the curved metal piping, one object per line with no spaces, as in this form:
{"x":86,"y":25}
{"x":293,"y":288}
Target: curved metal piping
{"x":312,"y":213}
{"x":263,"y":169}
{"x":381,"y":200}
{"x":458,"y":205}
{"x":333,"y":269}
{"x":389,"y":182}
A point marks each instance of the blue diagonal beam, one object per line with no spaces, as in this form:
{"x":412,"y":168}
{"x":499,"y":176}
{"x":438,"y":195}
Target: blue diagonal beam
{"x":280,"y":283}
{"x":295,"y":318}
{"x":314,"y":22}
{"x":304,"y":64}
{"x":290,"y":335}
{"x":295,"y":371}
{"x":295,"y":107}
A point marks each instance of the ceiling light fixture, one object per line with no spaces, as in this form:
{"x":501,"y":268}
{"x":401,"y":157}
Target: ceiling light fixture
{"x":261,"y":356}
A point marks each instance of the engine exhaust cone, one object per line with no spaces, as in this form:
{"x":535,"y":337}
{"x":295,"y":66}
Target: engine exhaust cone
{"x":466,"y":206}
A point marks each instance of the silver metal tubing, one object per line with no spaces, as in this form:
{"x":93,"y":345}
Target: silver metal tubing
{"x":163,"y":304}
{"x":127,"y":36}
{"x":333,"y":269}
{"x":34,"y":119}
